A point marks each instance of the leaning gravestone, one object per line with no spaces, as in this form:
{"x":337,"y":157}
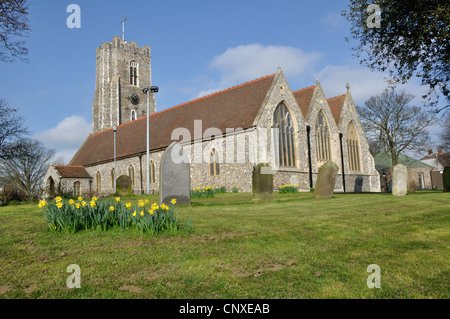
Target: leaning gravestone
{"x":399,"y":180}
{"x":175,"y":176}
{"x":262,"y":183}
{"x":326,"y":180}
{"x":123,"y":185}
{"x":446,"y":179}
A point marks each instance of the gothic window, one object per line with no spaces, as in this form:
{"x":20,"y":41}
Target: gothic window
{"x":134,"y":73}
{"x":152,"y":172}
{"x":353,"y":148}
{"x":323,"y":148}
{"x":76,"y":189}
{"x":286,"y":151}
{"x":113,"y":178}
{"x":214,"y":169}
{"x":131,"y":174}
{"x":98,"y":182}
{"x":133,"y":115}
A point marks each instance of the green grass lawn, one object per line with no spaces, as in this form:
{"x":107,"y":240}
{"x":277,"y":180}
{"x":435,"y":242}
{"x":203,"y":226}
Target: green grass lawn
{"x":295,"y":247}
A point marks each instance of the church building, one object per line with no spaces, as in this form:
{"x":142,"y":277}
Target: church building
{"x":223,"y":134}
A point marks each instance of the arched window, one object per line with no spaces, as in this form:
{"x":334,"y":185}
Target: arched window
{"x":76,"y":189}
{"x":134,"y":73}
{"x":152,"y":172}
{"x":131,"y":174}
{"x":286,"y":147}
{"x":214,"y":169}
{"x":353,"y":148}
{"x":98,"y":182}
{"x":113,"y":178}
{"x":323,"y":148}
{"x":133,"y":115}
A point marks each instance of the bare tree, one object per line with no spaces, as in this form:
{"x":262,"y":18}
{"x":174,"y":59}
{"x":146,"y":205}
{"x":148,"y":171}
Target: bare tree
{"x":26,"y":171}
{"x":389,"y":120}
{"x":445,"y":133}
{"x":11,"y":131}
{"x":13,"y":24}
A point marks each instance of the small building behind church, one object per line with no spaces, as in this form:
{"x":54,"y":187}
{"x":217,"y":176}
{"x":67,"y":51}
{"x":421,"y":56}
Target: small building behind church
{"x":223,"y":134}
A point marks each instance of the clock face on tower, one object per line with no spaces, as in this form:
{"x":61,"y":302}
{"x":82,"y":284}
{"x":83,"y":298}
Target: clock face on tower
{"x":134,"y":98}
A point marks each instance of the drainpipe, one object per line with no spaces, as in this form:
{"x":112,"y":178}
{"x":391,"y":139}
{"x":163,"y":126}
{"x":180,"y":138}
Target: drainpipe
{"x":308,"y":130}
{"x":342,"y":161}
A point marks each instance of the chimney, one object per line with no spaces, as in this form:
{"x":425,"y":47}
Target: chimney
{"x":430,"y":151}
{"x":440,"y":151}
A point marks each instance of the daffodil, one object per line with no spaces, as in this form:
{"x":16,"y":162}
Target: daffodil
{"x":142,"y":213}
{"x":173,"y":201}
{"x":117,"y":199}
{"x":151,"y":212}
{"x":111,"y":208}
{"x":94,"y":198}
{"x":59,"y":205}
{"x":134,"y":214}
{"x":92,"y":203}
{"x":141,"y":204}
{"x":80,"y":198}
{"x":83,"y":203}
{"x":77,"y":205}
{"x":128,"y":205}
{"x":71,"y":202}
{"x":146,"y":201}
{"x":58,"y":199}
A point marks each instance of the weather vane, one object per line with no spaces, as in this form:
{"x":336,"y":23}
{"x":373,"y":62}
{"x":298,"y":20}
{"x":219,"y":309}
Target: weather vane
{"x":124,"y":19}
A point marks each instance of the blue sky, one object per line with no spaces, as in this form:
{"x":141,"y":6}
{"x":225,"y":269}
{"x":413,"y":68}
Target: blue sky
{"x":198,"y":47}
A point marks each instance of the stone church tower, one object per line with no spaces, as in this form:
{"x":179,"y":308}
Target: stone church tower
{"x":123,"y":69}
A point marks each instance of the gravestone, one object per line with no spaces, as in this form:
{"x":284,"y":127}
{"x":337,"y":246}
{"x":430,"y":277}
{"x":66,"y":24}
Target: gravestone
{"x":359,"y":184}
{"x":399,"y":180}
{"x":293,"y":180}
{"x":446,"y":179}
{"x":123,"y":185}
{"x":175,"y":176}
{"x":262,"y":183}
{"x":326,"y":180}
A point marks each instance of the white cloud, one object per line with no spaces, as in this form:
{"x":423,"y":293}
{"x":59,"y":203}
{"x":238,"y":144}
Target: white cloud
{"x":247,"y":62}
{"x":333,"y":20}
{"x":65,"y":154}
{"x":363,"y":82}
{"x":70,"y":133}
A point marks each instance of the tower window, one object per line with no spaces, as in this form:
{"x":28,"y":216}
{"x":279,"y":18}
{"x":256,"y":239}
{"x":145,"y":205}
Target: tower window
{"x":98,"y":182}
{"x":134,"y":73}
{"x":282,"y":121}
{"x":133,"y":115}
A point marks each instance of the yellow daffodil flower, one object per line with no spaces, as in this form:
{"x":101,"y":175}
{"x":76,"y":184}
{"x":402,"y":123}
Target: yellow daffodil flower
{"x":173,"y":201}
{"x":58,"y":199}
{"x":111,"y":208}
{"x":151,"y":212}
{"x":59,"y":205}
{"x":94,"y":198}
{"x":80,"y":198}
{"x":77,"y":205}
{"x":92,"y":204}
{"x":71,"y":202}
{"x":83,"y":203}
{"x":142,"y":213}
{"x":117,"y":199}
{"x":134,"y":214}
{"x":128,"y":205}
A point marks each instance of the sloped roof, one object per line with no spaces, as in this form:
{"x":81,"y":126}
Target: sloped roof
{"x":304,"y":97}
{"x":72,"y":171}
{"x":235,"y":107}
{"x":443,"y":158}
{"x":383,"y":161}
{"x":336,"y":104}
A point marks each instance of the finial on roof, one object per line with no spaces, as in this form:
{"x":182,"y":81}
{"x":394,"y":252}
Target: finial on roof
{"x":348,"y":87}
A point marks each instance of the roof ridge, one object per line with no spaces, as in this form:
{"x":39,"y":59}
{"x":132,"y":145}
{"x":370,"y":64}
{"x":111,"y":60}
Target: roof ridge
{"x":309,"y":87}
{"x":68,"y":165}
{"x":335,"y":97}
{"x":191,"y":101}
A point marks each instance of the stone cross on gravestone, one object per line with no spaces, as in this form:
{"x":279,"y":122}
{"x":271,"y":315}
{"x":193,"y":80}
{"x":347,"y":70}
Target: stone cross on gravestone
{"x":175,"y":176}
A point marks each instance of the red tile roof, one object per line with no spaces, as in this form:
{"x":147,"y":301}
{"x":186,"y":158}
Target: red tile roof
{"x":72,"y":171}
{"x":336,"y":104}
{"x":304,"y":97}
{"x":235,"y":107}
